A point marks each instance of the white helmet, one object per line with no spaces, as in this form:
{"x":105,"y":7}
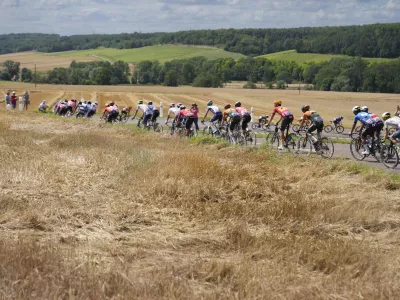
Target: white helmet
{"x":356,"y":109}
{"x":364,"y":109}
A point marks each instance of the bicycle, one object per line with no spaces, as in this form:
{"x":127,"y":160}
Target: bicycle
{"x":356,"y":148}
{"x":155,"y":126}
{"x":390,"y":155}
{"x":323,"y":146}
{"x":262,"y":124}
{"x":274,"y":138}
{"x":124,"y":117}
{"x":306,"y":125}
{"x":212,"y":129}
{"x":338,"y":127}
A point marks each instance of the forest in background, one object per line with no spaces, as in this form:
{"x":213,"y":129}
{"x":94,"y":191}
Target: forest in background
{"x":376,"y":40}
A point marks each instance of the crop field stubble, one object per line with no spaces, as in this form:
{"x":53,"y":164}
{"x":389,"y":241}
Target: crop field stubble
{"x":328,"y":104}
{"x":100,"y":212}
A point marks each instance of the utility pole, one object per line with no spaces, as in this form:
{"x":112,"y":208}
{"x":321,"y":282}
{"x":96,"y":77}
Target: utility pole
{"x":35,"y":76}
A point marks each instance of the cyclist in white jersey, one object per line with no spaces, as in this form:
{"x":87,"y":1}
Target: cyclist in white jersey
{"x":172,"y":111}
{"x":146,"y":112}
{"x":217,"y":113}
{"x":392,"y":122}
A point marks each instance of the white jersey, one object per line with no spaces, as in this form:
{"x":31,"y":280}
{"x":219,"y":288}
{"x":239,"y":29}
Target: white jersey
{"x":144,"y":108}
{"x":174,"y":110}
{"x":393,"y":122}
{"x":214,"y":109}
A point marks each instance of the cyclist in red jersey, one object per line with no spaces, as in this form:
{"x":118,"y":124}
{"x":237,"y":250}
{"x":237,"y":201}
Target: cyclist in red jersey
{"x":286,"y":118}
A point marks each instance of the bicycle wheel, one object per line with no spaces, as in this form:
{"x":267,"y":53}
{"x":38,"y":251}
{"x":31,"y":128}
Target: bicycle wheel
{"x":328,"y":128}
{"x":295,"y":127}
{"x":255,"y":126}
{"x":274,"y":141}
{"x":356,"y":148}
{"x":291,"y":142}
{"x":123,"y":119}
{"x":339,"y":129}
{"x":157,"y":127}
{"x":389,"y":156}
{"x":207,"y":131}
{"x":326,"y":147}
{"x":304,"y":147}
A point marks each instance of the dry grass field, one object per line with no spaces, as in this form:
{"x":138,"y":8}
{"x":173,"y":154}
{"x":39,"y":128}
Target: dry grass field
{"x":329,"y":104}
{"x":44,"y":62}
{"x":89,"y":211}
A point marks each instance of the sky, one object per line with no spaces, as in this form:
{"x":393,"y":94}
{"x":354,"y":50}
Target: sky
{"x":70,"y":17}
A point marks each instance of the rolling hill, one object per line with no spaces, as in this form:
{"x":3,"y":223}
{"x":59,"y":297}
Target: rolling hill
{"x":292,"y":55}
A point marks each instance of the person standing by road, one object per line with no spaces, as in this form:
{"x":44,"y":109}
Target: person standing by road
{"x":14,"y":99}
{"x":195,"y":110}
{"x":26,"y":100}
{"x":7,"y":98}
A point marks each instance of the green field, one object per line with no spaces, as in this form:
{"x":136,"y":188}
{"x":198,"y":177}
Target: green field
{"x":161,"y":53}
{"x":292,"y":55}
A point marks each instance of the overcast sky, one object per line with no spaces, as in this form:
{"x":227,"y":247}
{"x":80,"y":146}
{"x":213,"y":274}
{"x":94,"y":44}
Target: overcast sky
{"x":68,"y":17}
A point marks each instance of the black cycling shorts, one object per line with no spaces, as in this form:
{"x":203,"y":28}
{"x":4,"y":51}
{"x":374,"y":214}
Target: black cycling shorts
{"x":286,"y":121}
{"x":246,"y":119}
{"x":189,"y":122}
{"x":318,"y":126}
{"x":368,"y":131}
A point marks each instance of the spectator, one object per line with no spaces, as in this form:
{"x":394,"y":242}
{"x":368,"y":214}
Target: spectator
{"x":14,"y":99}
{"x":26,"y":100}
{"x":195,"y":110}
{"x":7,"y":98}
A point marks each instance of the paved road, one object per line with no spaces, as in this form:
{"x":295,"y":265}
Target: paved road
{"x":341,"y":150}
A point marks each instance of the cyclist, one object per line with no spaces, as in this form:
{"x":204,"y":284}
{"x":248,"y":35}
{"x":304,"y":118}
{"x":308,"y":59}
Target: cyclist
{"x":244,"y":114}
{"x":231,"y":116}
{"x":286,"y":118}
{"x":337,"y":121}
{"x":185,"y":115}
{"x":146,"y":112}
{"x":62,"y":108}
{"x":378,"y":122}
{"x":172,"y":110}
{"x":262,"y":120}
{"x":367,"y":122}
{"x":91,"y":110}
{"x":195,"y":111}
{"x":154,"y":111}
{"x":71,"y":106}
{"x":217,"y":114}
{"x":126,"y":111}
{"x":43,"y":106}
{"x":82,"y":109}
{"x":392,"y":122}
{"x":317,"y":123}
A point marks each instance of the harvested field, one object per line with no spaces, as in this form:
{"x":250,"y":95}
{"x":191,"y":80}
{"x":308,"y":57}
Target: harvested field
{"x":44,"y":61}
{"x":329,"y":104}
{"x":89,"y":211}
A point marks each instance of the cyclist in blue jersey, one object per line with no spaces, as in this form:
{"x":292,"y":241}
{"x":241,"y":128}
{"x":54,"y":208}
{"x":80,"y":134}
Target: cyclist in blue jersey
{"x":368,"y":123}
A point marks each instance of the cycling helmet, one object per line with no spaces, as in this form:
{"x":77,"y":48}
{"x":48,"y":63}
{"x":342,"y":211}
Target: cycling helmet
{"x":305,"y":108}
{"x":356,"y":109}
{"x":179,"y":105}
{"x":364,"y":109}
{"x":140,"y":102}
{"x":227,"y":106}
{"x":386,"y":115}
{"x":172,"y":105}
{"x":89,"y":102}
{"x":150,"y":103}
{"x":209,"y":103}
{"x":182,"y":107}
{"x":97,"y":103}
{"x":278,"y":102}
{"x":112,"y":103}
{"x":238,"y":104}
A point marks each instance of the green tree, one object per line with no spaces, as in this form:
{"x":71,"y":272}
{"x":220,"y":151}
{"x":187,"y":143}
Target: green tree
{"x":171,"y":78}
{"x":12,"y":68}
{"x":26,"y":75}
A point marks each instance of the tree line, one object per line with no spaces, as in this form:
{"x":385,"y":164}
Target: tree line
{"x":338,"y":74}
{"x":376,"y":40}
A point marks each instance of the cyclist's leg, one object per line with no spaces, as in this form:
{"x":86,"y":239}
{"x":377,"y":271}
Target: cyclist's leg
{"x":189,"y":123}
{"x":395,"y":138}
